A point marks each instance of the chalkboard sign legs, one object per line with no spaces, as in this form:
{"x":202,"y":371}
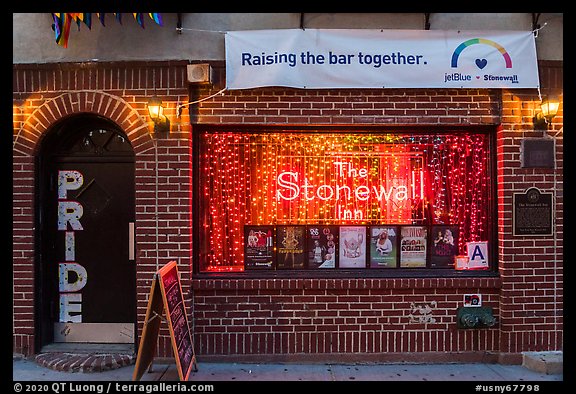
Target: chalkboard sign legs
{"x":150,"y":368}
{"x":150,"y":331}
{"x":166,"y":295}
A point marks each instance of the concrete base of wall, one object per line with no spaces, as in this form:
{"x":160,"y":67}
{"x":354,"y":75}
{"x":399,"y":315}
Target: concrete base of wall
{"x":544,"y":362}
{"x":510,"y":358}
{"x":360,"y":358}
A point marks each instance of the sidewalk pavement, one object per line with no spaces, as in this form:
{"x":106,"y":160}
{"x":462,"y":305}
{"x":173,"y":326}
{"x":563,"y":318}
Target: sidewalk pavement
{"x":26,"y":370}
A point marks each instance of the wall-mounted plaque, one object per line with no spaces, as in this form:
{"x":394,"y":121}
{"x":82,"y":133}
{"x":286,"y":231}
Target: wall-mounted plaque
{"x":533,"y":213}
{"x":537,"y":152}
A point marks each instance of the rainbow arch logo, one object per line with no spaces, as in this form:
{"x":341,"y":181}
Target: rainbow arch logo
{"x":474,"y":41}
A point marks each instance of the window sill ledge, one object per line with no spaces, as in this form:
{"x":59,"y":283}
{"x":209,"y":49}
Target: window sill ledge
{"x":299,"y":280}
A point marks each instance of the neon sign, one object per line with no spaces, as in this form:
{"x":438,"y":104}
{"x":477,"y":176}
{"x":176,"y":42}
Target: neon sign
{"x":291,"y":186}
{"x":290,"y":189}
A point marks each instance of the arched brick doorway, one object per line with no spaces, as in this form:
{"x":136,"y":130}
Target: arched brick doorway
{"x":85,"y":268}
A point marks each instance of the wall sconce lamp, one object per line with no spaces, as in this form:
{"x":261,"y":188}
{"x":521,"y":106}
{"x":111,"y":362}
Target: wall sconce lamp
{"x":548,"y":110}
{"x":156,"y":112}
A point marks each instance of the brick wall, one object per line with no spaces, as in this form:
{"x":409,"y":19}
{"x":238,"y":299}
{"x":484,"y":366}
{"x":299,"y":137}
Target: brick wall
{"x":354,"y":319}
{"x":373,"y":318}
{"x":367,"y":319}
{"x":379,"y":318}
{"x":348,"y":106}
{"x":531,"y":268}
{"x":44,"y":94}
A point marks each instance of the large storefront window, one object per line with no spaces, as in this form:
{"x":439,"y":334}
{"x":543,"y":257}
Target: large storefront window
{"x":339,"y":200}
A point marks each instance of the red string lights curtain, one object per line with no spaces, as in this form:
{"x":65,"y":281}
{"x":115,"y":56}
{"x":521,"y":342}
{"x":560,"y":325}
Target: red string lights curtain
{"x":338,"y":178}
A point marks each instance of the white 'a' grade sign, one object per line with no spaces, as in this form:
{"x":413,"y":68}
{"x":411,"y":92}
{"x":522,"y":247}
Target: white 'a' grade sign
{"x":477,"y":255}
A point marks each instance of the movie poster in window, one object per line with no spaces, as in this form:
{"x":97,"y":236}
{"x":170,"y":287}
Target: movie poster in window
{"x":258,"y":247}
{"x":322,"y":246}
{"x":290,"y":247}
{"x":443,"y":246}
{"x":413,"y":246}
{"x":383,"y":249}
{"x":352,"y":247}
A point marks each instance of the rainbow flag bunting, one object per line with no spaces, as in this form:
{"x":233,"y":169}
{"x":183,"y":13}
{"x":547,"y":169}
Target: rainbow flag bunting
{"x":156,"y":17}
{"x":63,"y":20}
{"x":139,"y":19}
{"x":101,"y":16}
{"x":88,"y":19}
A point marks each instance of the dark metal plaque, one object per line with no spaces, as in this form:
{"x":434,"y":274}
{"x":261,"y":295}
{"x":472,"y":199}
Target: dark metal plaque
{"x":533,"y":213}
{"x":537,"y":152}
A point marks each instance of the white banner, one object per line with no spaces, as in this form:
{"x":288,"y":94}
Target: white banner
{"x":366,"y":58}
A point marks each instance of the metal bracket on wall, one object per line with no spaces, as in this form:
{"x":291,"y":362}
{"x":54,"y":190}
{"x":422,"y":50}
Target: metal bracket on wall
{"x":535,"y":24}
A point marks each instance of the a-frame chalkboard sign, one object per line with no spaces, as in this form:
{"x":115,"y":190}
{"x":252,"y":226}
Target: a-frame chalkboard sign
{"x":166,"y":296}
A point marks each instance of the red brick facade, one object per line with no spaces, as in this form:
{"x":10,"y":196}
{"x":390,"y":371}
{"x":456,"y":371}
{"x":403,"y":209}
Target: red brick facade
{"x":294,"y":318}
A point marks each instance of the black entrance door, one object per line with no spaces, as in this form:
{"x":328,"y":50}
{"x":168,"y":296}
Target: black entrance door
{"x":88,"y":286}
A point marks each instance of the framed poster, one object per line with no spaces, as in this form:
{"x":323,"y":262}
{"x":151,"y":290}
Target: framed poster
{"x":443,"y":246}
{"x":383,"y":247}
{"x":352,"y":247}
{"x":322,"y":246}
{"x":290,"y":246}
{"x":258,"y":247}
{"x":413,"y":246}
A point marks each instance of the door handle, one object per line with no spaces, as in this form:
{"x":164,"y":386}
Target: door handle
{"x":131,"y":241}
